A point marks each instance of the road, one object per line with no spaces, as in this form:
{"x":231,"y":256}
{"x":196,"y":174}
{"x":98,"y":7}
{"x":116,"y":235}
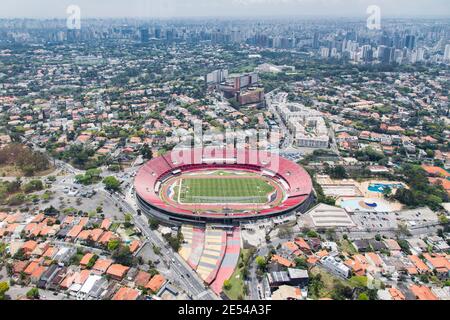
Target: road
{"x":183,"y":273}
{"x":255,"y":287}
{"x":271,"y":101}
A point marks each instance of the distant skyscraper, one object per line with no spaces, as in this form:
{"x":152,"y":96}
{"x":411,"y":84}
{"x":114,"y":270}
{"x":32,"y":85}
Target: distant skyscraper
{"x":367,"y":53}
{"x":316,"y":40}
{"x":410,"y":42}
{"x":145,"y":36}
{"x":158,"y":33}
{"x":447,"y":53}
{"x":385,"y":54}
{"x":324,"y":52}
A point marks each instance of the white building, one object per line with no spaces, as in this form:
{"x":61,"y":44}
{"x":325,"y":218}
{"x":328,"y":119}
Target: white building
{"x":306,"y":125}
{"x":334,"y":265}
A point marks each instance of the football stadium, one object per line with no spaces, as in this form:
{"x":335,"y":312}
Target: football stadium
{"x":220,"y":186}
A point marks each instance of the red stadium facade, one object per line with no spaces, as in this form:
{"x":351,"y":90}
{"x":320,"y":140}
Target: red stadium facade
{"x":151,"y":178}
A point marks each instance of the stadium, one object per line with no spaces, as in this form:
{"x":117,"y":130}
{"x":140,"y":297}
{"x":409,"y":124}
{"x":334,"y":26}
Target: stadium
{"x":220,"y":186}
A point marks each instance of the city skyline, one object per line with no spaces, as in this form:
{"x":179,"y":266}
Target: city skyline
{"x":224,"y":8}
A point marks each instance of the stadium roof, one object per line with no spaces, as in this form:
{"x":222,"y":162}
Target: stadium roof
{"x":294,"y":178}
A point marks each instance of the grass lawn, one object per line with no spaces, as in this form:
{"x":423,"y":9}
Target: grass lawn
{"x":346,"y":246}
{"x":114,"y":226}
{"x":13,"y":171}
{"x":224,"y":190}
{"x":237,"y":278}
{"x":329,"y":281}
{"x":10,"y":171}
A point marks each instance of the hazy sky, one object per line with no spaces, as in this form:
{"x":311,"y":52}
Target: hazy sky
{"x":221,"y":8}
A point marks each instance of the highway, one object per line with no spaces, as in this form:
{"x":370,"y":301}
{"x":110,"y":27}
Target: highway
{"x":183,"y":272}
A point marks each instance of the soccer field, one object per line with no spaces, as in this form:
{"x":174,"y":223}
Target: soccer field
{"x":224,"y":190}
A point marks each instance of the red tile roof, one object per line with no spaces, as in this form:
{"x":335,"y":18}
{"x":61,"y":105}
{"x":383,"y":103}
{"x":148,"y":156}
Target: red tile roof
{"x":117,"y":271}
{"x":125,"y":293}
{"x":156,"y":283}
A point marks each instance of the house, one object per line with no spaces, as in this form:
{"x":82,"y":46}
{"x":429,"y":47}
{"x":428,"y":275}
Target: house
{"x":298,"y":277}
{"x":142,"y":278}
{"x":420,"y":266}
{"x":278,"y":278}
{"x":57,"y":279}
{"x":436,"y":171}
{"x":134,"y":246}
{"x":117,"y":271}
{"x":86,"y":259}
{"x":377,"y":245}
{"x":422,"y":292}
{"x":155,"y":283}
{"x":87,"y":286}
{"x":303,"y":245}
{"x":282,"y":261}
{"x":438,"y":243}
{"x":417,"y":245}
{"x":357,"y":267}
{"x":334,"y":265}
{"x":106,"y":224}
{"x":19,"y":266}
{"x":439,"y":263}
{"x":374,"y":259}
{"x":125,"y":293}
{"x":29,"y":246}
{"x":48,"y":276}
{"x":390,"y":294}
{"x":314,"y":243}
{"x":102,"y":265}
{"x":37,"y":274}
{"x":98,"y":289}
{"x":361,"y":245}
{"x":286,"y":292}
{"x":291,"y":248}
{"x":393,"y":246}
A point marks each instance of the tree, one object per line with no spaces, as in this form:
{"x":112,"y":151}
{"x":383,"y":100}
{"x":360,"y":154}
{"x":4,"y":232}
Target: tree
{"x":113,"y":244}
{"x":4,"y":287}
{"x":363,"y":296}
{"x":33,"y":293}
{"x":301,"y":263}
{"x":111,"y":183}
{"x":33,"y":185}
{"x":153,"y":223}
{"x":227,"y":284}
{"x":146,"y":152}
{"x":341,"y":291}
{"x":312,"y":234}
{"x":316,"y":285}
{"x":337,"y":172}
{"x":261,"y":262}
{"x":122,"y":255}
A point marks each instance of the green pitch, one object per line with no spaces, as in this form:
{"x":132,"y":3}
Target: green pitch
{"x":224,"y":190}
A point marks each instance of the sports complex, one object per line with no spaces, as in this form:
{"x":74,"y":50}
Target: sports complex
{"x":221,"y":186}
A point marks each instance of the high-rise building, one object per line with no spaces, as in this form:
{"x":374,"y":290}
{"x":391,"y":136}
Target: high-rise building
{"x":145,"y":36}
{"x":316,"y":40}
{"x":386,"y":54}
{"x":367,"y":53}
{"x":410,"y":42}
{"x":217,"y":76}
{"x":447,"y":53}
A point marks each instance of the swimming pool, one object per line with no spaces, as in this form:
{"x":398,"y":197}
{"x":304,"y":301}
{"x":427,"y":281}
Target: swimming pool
{"x":380,"y":187}
{"x":365,"y":205}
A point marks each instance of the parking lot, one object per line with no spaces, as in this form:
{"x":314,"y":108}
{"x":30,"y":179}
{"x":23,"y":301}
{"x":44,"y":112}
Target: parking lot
{"x":375,"y":220}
